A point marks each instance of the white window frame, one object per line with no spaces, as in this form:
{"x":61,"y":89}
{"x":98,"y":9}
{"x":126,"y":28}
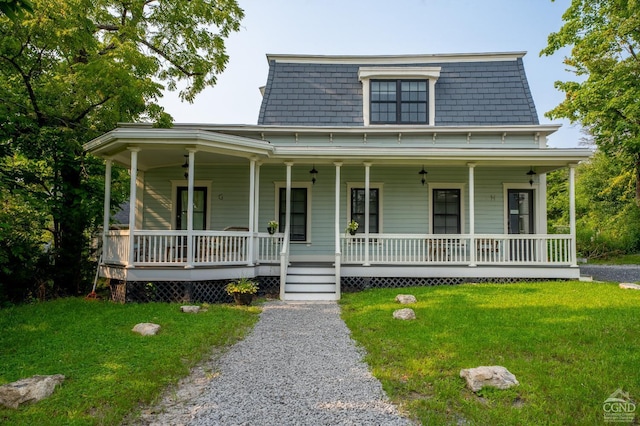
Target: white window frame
{"x":174,"y":198}
{"x":366,"y":74}
{"x":439,"y":185}
{"x":537,"y":225}
{"x":308,"y":186}
{"x":372,"y":185}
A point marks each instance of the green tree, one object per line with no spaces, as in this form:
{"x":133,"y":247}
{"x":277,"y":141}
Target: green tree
{"x":14,"y":8}
{"x":604,"y":37}
{"x":70,"y":71}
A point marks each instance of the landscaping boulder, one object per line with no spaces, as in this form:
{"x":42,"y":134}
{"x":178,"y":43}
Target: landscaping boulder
{"x":146,"y":329}
{"x":630,"y":286}
{"x":32,"y":389}
{"x":404,"y":314}
{"x":405,"y":299}
{"x":493,"y":376}
{"x":190,"y":309}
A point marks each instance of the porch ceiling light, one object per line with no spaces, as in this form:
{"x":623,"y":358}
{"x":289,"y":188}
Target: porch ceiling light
{"x":423,"y":175}
{"x":314,"y":173}
{"x":531,"y":174}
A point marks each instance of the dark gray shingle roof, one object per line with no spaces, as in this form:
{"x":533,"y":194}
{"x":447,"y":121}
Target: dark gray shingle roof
{"x":330,"y":94}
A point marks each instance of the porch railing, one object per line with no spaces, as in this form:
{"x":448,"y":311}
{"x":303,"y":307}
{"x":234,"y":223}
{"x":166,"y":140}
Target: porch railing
{"x":456,"y":249}
{"x":169,"y":248}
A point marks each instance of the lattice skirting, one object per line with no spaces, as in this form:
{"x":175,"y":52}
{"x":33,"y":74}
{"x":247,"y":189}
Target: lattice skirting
{"x":184,"y":291}
{"x":213,"y":291}
{"x":354,"y":284}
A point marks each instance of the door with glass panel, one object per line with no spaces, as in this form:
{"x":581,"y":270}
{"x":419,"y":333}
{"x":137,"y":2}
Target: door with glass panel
{"x":521,"y":221}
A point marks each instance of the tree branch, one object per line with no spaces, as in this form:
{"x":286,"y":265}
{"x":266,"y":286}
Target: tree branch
{"x":26,"y":78}
{"x":165,"y":56}
{"x":88,"y":110}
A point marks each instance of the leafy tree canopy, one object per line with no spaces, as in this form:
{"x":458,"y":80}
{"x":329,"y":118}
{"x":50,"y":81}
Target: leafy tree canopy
{"x":604,"y":36}
{"x":73,"y":69}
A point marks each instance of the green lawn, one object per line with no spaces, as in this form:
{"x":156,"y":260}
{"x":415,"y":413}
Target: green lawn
{"x":623,"y":259}
{"x":109,"y":369}
{"x":570,"y":344}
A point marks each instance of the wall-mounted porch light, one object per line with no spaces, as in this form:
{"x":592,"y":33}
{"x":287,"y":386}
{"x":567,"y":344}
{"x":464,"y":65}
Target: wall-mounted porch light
{"x":423,"y":175}
{"x":186,"y":166}
{"x":314,"y":173}
{"x":531,"y":174}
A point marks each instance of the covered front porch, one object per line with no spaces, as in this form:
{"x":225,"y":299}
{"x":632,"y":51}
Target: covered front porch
{"x":231,"y":186}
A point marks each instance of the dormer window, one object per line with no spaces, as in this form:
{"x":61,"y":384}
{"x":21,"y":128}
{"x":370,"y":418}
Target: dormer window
{"x":399,"y":95}
{"x":399,"y":102}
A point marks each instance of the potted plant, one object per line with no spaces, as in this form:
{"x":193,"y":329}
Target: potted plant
{"x":242,"y":290}
{"x":272,"y":227}
{"x":352,"y":227}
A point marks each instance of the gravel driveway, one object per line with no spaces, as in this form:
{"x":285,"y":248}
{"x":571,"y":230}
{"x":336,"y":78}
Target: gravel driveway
{"x":615,"y":273}
{"x":298,"y":366}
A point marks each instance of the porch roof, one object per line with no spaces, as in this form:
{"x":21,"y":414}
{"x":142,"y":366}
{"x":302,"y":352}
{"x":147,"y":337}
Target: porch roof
{"x":237,"y":143}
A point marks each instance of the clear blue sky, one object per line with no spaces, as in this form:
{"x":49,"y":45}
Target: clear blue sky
{"x":351,"y":27}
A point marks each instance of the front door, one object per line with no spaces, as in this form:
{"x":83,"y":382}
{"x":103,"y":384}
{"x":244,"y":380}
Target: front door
{"x":521,"y":221}
{"x":199,"y":208}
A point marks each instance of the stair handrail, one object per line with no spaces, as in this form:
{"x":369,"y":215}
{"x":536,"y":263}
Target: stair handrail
{"x":284,"y":260}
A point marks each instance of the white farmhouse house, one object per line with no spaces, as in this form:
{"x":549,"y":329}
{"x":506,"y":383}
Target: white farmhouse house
{"x":440,"y":159}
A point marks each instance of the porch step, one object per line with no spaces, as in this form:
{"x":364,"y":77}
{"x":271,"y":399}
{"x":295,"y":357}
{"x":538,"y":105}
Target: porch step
{"x":310,"y":282}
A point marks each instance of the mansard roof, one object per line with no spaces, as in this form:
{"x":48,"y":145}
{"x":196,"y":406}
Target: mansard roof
{"x":478,"y":89}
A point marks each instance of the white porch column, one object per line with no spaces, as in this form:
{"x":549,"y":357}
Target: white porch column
{"x":133,"y":201}
{"x":284,"y":254}
{"x":572,"y":214}
{"x":256,"y":208}
{"x":190,"y":181}
{"x":338,"y":253}
{"x":367,"y":175}
{"x":472,"y":214}
{"x":252,"y":213}
{"x":107,"y":205}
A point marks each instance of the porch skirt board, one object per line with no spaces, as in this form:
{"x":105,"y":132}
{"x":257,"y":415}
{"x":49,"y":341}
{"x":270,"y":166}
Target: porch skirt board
{"x":269,"y":286}
{"x":355,"y":284}
{"x":184,"y":291}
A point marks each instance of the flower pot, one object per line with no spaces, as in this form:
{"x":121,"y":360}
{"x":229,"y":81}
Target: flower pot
{"x":271,"y":231}
{"x":352,"y":231}
{"x":243,"y":298}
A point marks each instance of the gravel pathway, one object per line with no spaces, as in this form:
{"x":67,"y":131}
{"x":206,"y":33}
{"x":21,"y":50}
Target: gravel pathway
{"x":298,"y":366}
{"x":615,"y":273}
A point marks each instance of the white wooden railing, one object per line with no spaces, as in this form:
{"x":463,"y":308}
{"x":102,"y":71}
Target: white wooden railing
{"x":169,"y":248}
{"x":491,"y":249}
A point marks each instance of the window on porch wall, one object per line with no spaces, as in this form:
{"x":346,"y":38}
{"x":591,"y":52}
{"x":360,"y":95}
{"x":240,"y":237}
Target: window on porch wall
{"x":358,"y":210}
{"x":298,"y":231}
{"x":446,"y":211}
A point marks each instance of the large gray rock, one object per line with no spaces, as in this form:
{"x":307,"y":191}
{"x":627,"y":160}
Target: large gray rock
{"x":630,"y":286}
{"x":405,"y":299}
{"x":404,"y":314}
{"x":190,"y":309}
{"x":29,"y":390}
{"x":146,"y":329}
{"x":494,"y":376}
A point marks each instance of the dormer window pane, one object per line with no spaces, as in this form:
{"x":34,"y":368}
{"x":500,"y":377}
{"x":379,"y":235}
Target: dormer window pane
{"x":399,"y":101}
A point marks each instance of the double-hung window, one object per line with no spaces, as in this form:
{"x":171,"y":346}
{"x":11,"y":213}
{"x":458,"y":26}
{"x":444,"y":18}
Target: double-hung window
{"x":446,"y":211}
{"x":399,"y":101}
{"x":299,"y":213}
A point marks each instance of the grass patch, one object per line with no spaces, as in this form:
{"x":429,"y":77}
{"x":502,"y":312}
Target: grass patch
{"x":623,"y":259}
{"x":109,"y":369}
{"x":570,"y":344}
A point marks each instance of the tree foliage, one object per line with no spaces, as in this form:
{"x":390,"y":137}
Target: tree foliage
{"x":73,"y":69}
{"x":606,"y":214}
{"x":604,"y":36}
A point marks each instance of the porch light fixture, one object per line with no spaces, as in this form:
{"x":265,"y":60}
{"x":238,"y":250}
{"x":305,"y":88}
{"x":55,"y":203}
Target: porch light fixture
{"x":314,"y":173}
{"x":423,"y":175}
{"x":531,"y":174}
{"x":186,"y":166}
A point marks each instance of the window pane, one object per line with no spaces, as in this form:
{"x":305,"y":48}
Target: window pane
{"x":446,"y":211}
{"x":298,"y":230}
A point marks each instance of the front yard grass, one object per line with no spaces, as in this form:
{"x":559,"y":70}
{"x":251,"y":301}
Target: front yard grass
{"x":109,"y":369}
{"x":570,"y":345}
